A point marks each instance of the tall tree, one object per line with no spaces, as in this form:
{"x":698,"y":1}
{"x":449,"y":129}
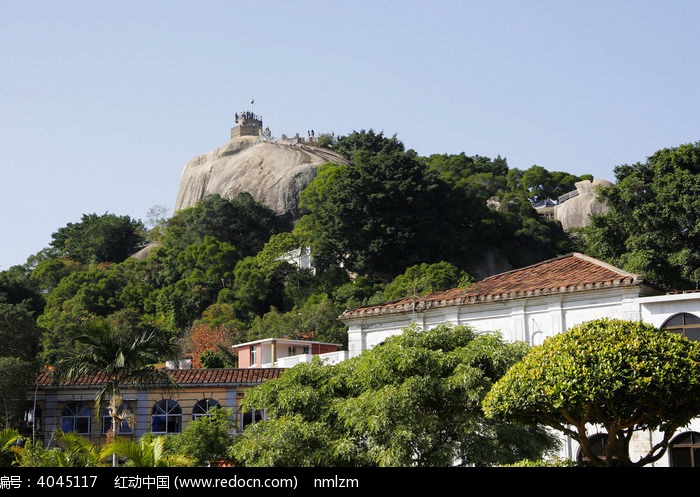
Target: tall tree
{"x":376,"y":215}
{"x":521,"y":234}
{"x":19,"y":345}
{"x":496,"y":205}
{"x":206,"y":439}
{"x":240,"y":221}
{"x":291,"y":441}
{"x":105,"y":238}
{"x":16,"y":379}
{"x":652,"y":226}
{"x":367,"y":141}
{"x":425,"y":278}
{"x":79,"y":296}
{"x":477,"y":176}
{"x":540,"y":184}
{"x":17,"y":286}
{"x":204,"y":269}
{"x":121,"y":356}
{"x":19,"y":333}
{"x":625,"y":376}
{"x":414,"y":400}
{"x":315,"y":319}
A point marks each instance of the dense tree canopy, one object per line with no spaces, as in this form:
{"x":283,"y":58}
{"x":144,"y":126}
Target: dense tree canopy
{"x":105,"y":238}
{"x":625,"y":376}
{"x":477,"y":176}
{"x":16,"y":379}
{"x":206,"y":439}
{"x":367,"y":141}
{"x":19,"y":339}
{"x":425,"y":278}
{"x":540,"y":184}
{"x":80,"y":296}
{"x":17,"y":286}
{"x":652,"y":226}
{"x":367,"y":224}
{"x":240,"y":221}
{"x":391,"y":209}
{"x":388,"y":225}
{"x":19,"y":333}
{"x":491,"y":207}
{"x":372,"y":216}
{"x":415,"y":400}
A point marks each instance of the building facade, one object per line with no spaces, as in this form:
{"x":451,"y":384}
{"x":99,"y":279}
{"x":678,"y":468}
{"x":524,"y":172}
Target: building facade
{"x":538,"y":301}
{"x":285,"y":353}
{"x":157,"y":409}
{"x":527,"y":304}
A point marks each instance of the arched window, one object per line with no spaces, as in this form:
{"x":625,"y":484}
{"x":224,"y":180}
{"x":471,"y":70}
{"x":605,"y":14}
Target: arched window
{"x":684,"y":323}
{"x":684,"y":450}
{"x":124,"y":428}
{"x":202,"y":407}
{"x":166,"y":417}
{"x":75,"y":417}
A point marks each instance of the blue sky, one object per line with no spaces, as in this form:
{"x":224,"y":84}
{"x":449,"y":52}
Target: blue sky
{"x":104,"y":102}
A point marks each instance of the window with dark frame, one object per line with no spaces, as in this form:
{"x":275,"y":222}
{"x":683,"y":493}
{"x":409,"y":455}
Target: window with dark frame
{"x":686,"y":324}
{"x":166,"y":417}
{"x":76,"y":417}
{"x":684,"y":450}
{"x":249,"y":417}
{"x":202,"y":408}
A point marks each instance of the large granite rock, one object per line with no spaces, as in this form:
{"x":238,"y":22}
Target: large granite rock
{"x":576,"y":210}
{"x":274,"y":173}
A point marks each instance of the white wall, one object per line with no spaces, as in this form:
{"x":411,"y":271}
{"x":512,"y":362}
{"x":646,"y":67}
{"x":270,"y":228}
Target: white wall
{"x":527,"y":319}
{"x":532,"y":320}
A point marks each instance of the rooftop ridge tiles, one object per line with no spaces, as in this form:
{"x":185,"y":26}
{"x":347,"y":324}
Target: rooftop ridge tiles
{"x":187,"y":377}
{"x":515,"y":284}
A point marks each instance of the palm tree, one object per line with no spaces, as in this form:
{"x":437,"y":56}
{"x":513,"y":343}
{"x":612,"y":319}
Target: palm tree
{"x":75,"y":451}
{"x":71,"y":451}
{"x":119,"y":358}
{"x":149,"y":451}
{"x":8,"y":446}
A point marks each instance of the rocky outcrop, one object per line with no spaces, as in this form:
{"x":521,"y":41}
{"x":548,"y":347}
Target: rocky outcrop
{"x":273,"y":173}
{"x":575,"y":211}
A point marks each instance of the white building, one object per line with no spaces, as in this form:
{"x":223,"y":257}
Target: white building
{"x":532,"y":303}
{"x":286,"y":353}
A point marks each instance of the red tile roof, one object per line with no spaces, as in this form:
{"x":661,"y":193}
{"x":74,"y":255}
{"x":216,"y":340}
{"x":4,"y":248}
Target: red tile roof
{"x":188,"y":377}
{"x":573,"y":272}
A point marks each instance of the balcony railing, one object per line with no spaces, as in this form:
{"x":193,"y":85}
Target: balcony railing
{"x":288,"y":362}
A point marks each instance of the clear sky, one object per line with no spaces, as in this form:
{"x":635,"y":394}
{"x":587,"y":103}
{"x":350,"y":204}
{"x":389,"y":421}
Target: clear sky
{"x":102,"y":103}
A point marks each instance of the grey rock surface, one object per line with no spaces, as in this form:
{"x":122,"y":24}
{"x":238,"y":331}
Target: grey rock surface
{"x":575,"y":211}
{"x":273,"y":173}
